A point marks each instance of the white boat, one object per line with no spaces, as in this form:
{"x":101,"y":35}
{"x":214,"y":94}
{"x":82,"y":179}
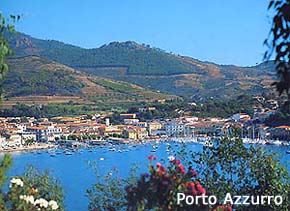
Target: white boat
{"x":277,"y":142}
{"x":102,"y":158}
{"x":208,"y":143}
{"x":68,"y":153}
{"x":246,"y":140}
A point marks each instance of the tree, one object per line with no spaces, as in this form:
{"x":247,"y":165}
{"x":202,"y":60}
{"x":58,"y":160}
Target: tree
{"x":5,"y":164}
{"x":153,"y":190}
{"x":231,"y":167}
{"x":4,"y":46}
{"x":278,"y":41}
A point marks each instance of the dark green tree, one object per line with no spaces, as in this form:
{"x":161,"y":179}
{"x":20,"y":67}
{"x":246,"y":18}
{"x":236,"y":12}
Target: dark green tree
{"x":5,"y":164}
{"x":231,"y":167}
{"x":4,"y":46}
{"x":278,"y":42}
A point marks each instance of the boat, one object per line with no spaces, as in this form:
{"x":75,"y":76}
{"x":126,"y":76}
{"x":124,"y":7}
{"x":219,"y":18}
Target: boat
{"x":58,"y":152}
{"x":277,"y":142}
{"x":288,"y":152}
{"x":155,"y":147}
{"x":208,"y":143}
{"x":102,"y":158}
{"x":68,"y":153}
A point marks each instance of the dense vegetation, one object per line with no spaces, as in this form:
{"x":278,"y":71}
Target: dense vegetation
{"x":119,"y":87}
{"x":226,"y":108}
{"x":278,"y":119}
{"x":152,"y":68}
{"x":36,"y":76}
{"x":278,"y":43}
{"x":40,"y":82}
{"x":4,"y":46}
{"x":205,"y":109}
{"x":141,"y":59}
{"x":51,"y":110}
{"x":169,"y":109}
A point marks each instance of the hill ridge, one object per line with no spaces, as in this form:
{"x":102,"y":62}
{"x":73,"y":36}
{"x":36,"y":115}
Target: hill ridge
{"x":140,"y":63}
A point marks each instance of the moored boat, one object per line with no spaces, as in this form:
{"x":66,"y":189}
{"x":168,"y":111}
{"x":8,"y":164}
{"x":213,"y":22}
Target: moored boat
{"x":68,"y":153}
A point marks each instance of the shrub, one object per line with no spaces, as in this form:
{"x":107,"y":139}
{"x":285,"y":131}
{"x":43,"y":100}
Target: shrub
{"x":33,"y":191}
{"x":231,"y":167}
{"x":155,"y":190}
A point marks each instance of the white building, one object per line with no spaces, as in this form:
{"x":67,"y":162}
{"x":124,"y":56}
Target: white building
{"x":45,"y":133}
{"x":174,"y":128}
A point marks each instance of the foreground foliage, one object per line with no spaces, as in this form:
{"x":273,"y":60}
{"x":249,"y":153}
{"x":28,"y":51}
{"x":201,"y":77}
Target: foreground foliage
{"x":33,"y":191}
{"x":278,"y":42}
{"x":227,"y":167}
{"x":231,"y":167}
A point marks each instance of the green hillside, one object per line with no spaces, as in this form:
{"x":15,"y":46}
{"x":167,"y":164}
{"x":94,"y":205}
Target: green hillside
{"x":33,"y":77}
{"x":138,"y":59}
{"x":152,"y":68}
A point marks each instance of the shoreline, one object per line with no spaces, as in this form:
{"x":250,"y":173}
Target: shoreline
{"x":45,"y":146}
{"x":29,"y":148}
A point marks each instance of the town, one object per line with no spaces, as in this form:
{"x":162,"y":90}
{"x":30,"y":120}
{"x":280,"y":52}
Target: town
{"x":22,"y":133}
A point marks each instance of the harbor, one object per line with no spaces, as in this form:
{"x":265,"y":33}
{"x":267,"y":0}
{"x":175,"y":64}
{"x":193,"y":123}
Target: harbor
{"x":74,"y":169}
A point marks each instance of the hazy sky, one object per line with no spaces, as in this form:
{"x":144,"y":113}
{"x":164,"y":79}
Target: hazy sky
{"x":220,"y":31}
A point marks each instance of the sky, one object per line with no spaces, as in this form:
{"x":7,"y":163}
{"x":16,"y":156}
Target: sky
{"x":220,"y":31}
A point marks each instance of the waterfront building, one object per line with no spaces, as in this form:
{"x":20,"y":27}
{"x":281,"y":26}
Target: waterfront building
{"x":111,"y":130}
{"x":135,"y":133}
{"x":158,"y":133}
{"x":174,"y":128}
{"x":154,"y":126}
{"x":45,"y":133}
{"x":28,"y":136}
{"x":189,"y":130}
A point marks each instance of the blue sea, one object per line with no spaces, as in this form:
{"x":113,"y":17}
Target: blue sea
{"x":76,"y":175}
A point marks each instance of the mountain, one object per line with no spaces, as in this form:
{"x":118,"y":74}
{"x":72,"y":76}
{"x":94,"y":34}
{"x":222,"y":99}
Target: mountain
{"x":41,"y":80}
{"x":134,"y":58}
{"x":152,"y":68}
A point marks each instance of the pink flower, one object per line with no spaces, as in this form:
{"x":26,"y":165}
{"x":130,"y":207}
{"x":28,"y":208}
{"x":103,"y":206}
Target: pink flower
{"x":181,"y":168}
{"x":229,"y":208}
{"x":190,"y":185}
{"x":200,"y":189}
{"x":150,"y":157}
{"x":194,"y":173}
{"x":158,"y":165}
{"x":176,"y":162}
